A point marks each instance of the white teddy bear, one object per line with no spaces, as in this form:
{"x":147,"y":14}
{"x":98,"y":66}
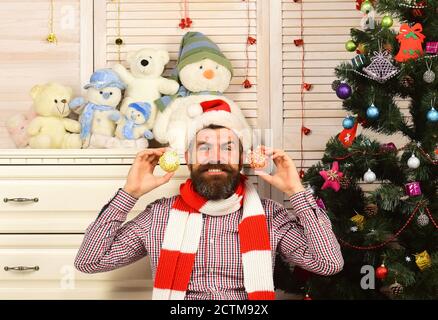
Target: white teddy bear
{"x":104,"y":93}
{"x":145,"y":83}
{"x":51,"y":129}
{"x":205,"y":73}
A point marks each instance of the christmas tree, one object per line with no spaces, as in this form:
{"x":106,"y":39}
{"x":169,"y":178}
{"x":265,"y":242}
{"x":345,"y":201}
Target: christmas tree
{"x":389,"y":233}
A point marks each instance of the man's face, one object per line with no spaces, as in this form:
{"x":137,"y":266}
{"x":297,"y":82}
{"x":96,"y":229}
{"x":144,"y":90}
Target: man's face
{"x":214,"y":161}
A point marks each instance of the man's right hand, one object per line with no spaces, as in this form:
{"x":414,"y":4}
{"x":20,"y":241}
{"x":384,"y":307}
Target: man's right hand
{"x":140,"y":177}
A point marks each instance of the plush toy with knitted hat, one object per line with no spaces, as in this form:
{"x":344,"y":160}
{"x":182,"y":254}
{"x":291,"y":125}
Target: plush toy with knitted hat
{"x":132,"y":130}
{"x":104,"y":93}
{"x":204,"y":73}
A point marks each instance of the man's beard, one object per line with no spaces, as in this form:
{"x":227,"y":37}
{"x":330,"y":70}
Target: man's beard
{"x":215,"y":187}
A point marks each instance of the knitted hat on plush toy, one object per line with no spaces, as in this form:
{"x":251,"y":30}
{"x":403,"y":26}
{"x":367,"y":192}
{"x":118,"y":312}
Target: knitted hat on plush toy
{"x":194,"y":47}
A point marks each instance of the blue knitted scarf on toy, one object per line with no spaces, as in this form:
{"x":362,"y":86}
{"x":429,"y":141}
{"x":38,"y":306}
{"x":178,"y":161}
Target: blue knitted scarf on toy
{"x":128,"y":129}
{"x":163,"y":102}
{"x":87,"y":117}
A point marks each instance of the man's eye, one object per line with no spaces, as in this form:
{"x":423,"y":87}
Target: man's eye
{"x":227,"y":147}
{"x":203,"y":148}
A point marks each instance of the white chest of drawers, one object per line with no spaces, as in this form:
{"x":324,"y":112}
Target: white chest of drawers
{"x":47,"y":200}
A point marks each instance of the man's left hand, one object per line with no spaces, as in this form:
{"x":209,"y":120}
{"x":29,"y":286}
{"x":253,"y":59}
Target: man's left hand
{"x":286,"y":178}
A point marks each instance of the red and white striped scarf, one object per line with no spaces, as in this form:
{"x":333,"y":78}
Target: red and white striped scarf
{"x":183,"y":232}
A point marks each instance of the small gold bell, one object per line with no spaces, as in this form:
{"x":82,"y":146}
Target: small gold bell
{"x":52,"y":38}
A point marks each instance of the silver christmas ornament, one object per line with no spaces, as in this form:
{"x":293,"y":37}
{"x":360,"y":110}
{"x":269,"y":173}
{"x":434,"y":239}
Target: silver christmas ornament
{"x":429,"y":76}
{"x":381,"y":68}
{"x":423,"y":220}
{"x":369,"y":176}
{"x":413,"y":162}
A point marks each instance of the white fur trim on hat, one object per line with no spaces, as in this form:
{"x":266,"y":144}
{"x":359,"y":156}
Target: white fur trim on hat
{"x":221,"y":118}
{"x":194,"y":110}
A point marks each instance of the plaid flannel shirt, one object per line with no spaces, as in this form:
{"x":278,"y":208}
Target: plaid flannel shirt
{"x":305,"y":239}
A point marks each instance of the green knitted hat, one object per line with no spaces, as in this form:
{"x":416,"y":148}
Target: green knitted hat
{"x":195,"y":47}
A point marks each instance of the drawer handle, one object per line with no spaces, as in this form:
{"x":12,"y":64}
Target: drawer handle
{"x":22,"y":268}
{"x":21,"y":199}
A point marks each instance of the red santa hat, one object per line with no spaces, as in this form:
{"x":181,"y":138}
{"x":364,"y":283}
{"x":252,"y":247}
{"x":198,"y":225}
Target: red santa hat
{"x":219,"y":112}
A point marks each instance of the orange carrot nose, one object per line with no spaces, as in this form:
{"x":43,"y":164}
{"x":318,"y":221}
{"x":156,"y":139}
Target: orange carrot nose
{"x":209,"y":74}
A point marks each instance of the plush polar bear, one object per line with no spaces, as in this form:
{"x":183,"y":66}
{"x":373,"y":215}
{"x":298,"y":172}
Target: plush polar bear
{"x":205,"y":73}
{"x":51,"y":128}
{"x":144,"y":82}
{"x":104,"y":93}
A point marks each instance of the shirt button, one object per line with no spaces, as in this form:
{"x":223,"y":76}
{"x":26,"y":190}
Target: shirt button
{"x":211,"y":241}
{"x":210,"y":270}
{"x":321,"y":222}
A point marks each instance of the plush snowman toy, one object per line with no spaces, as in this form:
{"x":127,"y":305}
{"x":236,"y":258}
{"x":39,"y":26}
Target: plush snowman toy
{"x":104,"y":93}
{"x":205,"y":73}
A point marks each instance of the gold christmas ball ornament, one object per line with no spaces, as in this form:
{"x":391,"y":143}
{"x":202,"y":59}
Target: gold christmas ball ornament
{"x":52,"y":38}
{"x":423,"y":260}
{"x":169,"y":161}
{"x":359,"y":220}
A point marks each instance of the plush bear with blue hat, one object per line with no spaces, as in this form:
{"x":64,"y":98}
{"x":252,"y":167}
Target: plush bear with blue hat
{"x":132,"y":126}
{"x":104,"y":93}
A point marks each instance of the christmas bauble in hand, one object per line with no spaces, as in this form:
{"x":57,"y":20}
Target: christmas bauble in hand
{"x":169,"y":161}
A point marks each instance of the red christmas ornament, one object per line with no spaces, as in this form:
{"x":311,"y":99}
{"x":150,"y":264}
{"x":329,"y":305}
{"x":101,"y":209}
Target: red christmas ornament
{"x":182,"y":24}
{"x":247,"y":84}
{"x":347,"y":136}
{"x":302,"y":174}
{"x":332,"y":177}
{"x":298,"y":42}
{"x":418,"y":11}
{"x":307,"y":297}
{"x":251,"y":40}
{"x":411,"y":40}
{"x":307,"y":86}
{"x":188,"y":22}
{"x":359,"y":4}
{"x":381,"y":272}
{"x":306,"y":131}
